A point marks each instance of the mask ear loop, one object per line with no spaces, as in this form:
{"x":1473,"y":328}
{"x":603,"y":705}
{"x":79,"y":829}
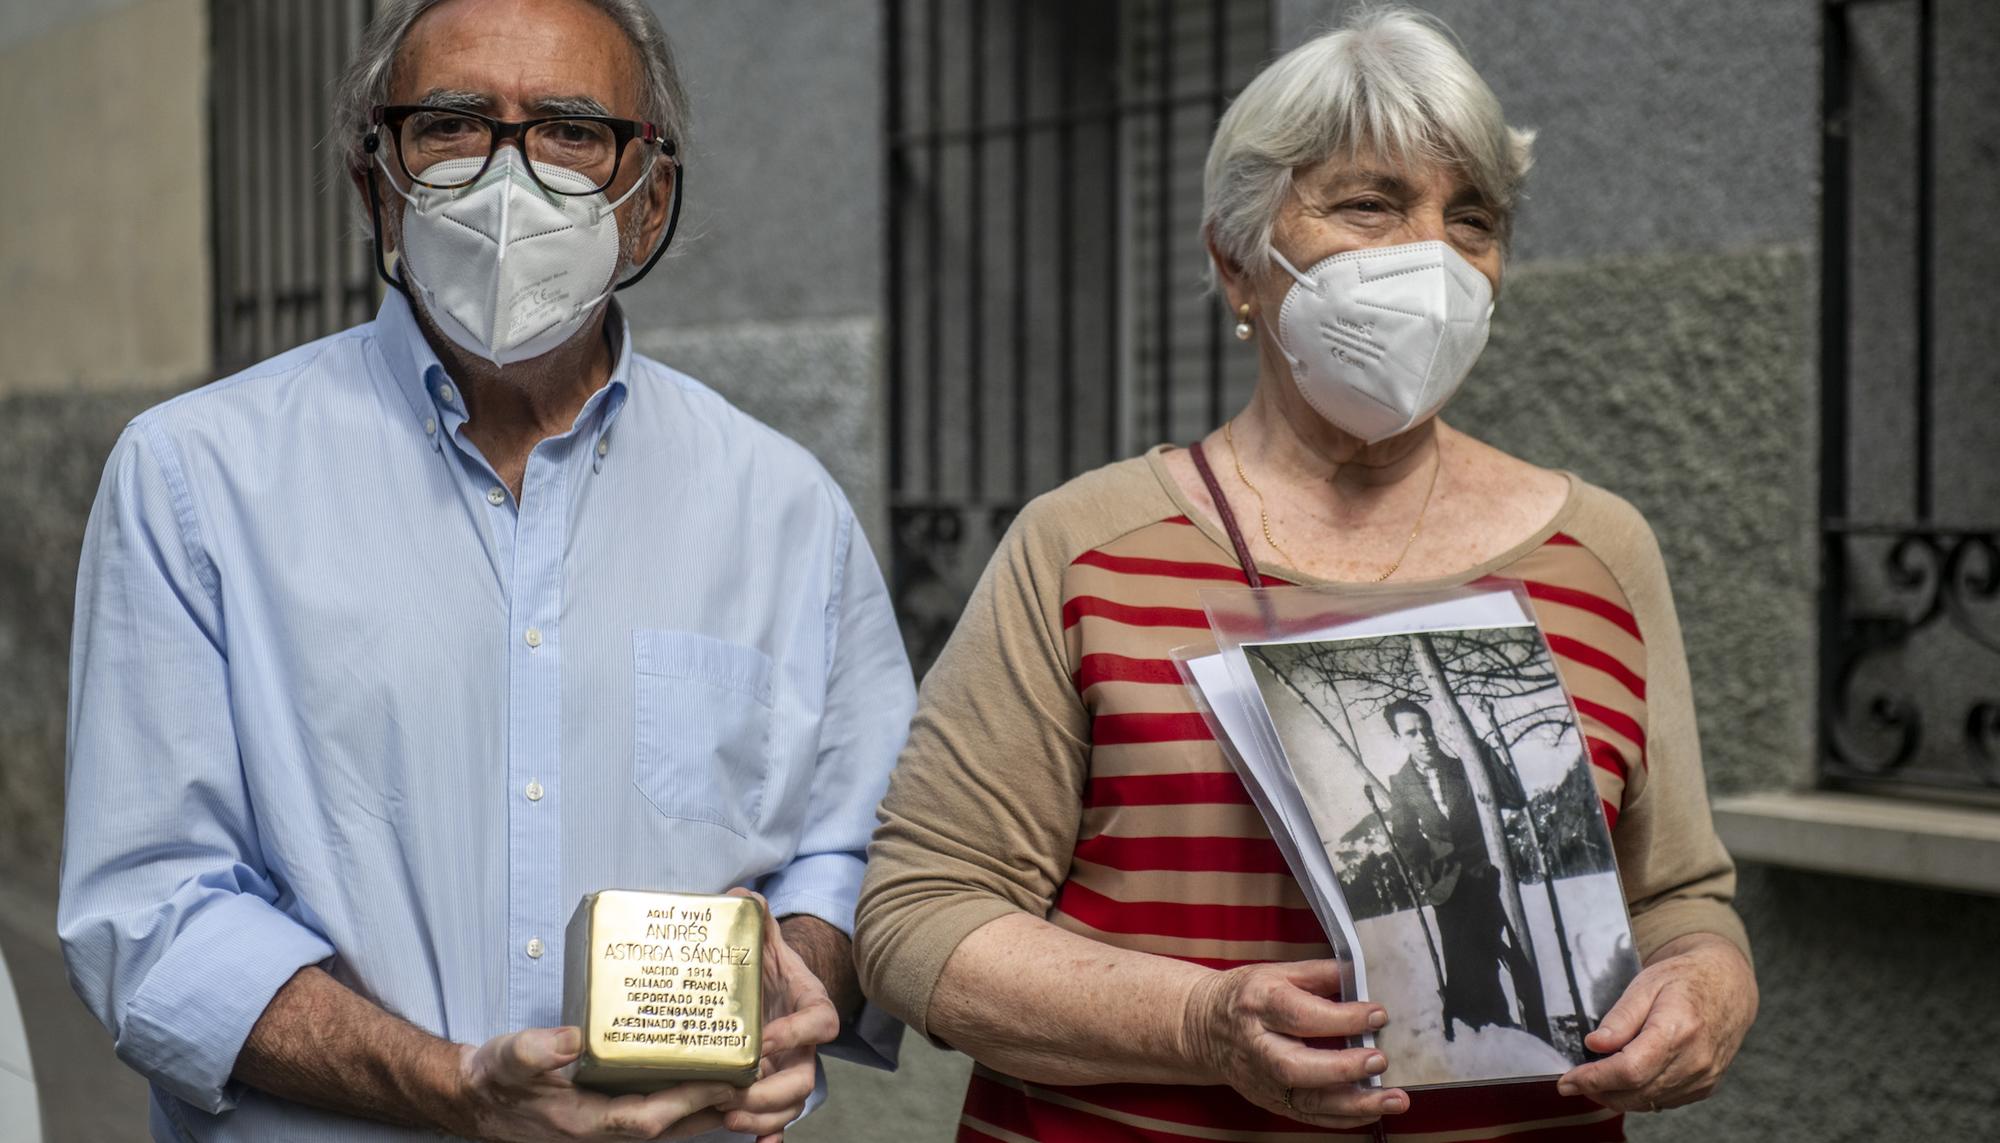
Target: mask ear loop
{"x":1305,"y":283}
{"x":1311,"y":286}
{"x":673,"y":216}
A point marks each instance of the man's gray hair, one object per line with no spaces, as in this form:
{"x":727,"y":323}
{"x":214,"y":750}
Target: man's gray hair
{"x":663,"y":101}
{"x":1390,"y":82}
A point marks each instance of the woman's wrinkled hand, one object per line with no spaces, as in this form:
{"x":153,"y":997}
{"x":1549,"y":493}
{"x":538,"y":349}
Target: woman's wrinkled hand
{"x":1250,"y":1028}
{"x":1674,"y":1032}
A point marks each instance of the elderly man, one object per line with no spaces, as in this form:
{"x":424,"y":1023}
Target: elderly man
{"x":390,"y":648}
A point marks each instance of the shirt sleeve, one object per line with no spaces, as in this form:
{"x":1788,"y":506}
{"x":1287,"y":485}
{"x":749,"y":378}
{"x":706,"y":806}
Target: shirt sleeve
{"x":869,"y":699}
{"x":983,"y":810}
{"x":175,"y":934}
{"x":1678,"y":878}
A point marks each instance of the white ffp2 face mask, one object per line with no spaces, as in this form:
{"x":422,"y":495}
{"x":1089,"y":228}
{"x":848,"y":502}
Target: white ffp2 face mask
{"x":1380,"y":339}
{"x":508,"y":270}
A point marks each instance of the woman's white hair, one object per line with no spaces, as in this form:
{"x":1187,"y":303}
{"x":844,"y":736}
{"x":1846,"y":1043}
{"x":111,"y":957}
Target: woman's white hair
{"x":662,"y":100}
{"x":1389,"y":82}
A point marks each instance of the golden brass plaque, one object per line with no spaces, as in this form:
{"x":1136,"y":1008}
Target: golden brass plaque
{"x":666,"y":987}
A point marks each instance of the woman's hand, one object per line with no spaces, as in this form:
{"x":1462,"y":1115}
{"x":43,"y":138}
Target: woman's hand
{"x":1674,"y":1031}
{"x":1250,"y":1028}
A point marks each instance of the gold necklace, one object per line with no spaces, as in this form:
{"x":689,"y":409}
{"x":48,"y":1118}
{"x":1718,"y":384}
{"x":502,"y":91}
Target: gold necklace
{"x":1264,"y":517}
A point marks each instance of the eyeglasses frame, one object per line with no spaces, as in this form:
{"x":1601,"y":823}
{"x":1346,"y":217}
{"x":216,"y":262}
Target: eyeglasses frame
{"x":391,"y":117}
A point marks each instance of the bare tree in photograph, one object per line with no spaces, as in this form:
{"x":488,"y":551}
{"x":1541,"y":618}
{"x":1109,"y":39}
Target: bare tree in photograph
{"x":1493,"y":670}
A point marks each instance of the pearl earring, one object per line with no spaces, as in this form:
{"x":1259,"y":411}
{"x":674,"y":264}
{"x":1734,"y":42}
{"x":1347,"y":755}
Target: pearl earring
{"x":1243,"y":330}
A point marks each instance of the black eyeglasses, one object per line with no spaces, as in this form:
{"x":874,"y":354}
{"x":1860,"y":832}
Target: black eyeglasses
{"x":591,"y":146}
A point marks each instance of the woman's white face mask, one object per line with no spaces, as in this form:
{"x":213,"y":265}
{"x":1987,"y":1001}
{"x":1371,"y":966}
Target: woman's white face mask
{"x":1379,"y":339}
{"x":506,"y":269}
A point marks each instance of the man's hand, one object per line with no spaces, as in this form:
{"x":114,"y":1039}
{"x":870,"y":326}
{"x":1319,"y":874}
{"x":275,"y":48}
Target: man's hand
{"x":1674,"y":1031}
{"x":829,"y":955}
{"x":320,"y":1043}
{"x":798,"y":1018}
{"x":512,"y":1090}
{"x":1250,"y":1026}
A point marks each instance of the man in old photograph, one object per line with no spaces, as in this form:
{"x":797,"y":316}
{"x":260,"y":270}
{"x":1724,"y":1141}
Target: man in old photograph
{"x":1436,"y":830}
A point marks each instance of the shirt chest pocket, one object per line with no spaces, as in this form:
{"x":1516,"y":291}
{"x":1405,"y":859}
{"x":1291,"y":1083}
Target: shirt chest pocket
{"x":701,"y":711}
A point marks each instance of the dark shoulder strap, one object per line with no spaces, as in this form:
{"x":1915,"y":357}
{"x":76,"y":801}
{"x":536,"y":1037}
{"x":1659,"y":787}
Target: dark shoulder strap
{"x":1228,"y":517}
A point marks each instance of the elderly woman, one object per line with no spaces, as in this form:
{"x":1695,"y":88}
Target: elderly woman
{"x":1070,"y":885}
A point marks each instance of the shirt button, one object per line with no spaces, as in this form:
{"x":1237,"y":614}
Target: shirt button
{"x":603,"y":446}
{"x":534,"y":948}
{"x":430,"y":425}
{"x":534,"y":790}
{"x":445,"y":394}
{"x":495,"y":496}
{"x":533,"y":636}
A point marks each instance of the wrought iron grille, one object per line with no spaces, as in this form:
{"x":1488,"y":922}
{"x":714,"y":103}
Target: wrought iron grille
{"x":288,"y":262}
{"x":1044,"y":266}
{"x":1910,"y":430}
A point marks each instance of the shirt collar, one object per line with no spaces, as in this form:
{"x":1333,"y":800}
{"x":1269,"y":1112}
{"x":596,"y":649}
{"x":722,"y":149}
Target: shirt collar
{"x":439,"y":408}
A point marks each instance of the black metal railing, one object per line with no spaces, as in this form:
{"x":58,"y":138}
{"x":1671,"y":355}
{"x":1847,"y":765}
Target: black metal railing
{"x":289,"y":265}
{"x":1044,"y":265}
{"x":1910,"y":591}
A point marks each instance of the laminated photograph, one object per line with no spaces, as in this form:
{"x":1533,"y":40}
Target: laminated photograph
{"x":1426,"y":749}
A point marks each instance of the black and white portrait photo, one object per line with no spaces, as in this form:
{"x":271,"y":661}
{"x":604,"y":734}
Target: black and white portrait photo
{"x":1446,"y":775}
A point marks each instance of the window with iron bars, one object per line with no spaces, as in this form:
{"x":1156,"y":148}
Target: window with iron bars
{"x":289,"y":262}
{"x":1910,"y":412}
{"x":1046,"y":304}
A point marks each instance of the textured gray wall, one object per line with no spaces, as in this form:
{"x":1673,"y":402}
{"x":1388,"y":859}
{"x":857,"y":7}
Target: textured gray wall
{"x":772,"y":292}
{"x":784,"y":211}
{"x":1666,"y":124}
{"x":1681,"y":382}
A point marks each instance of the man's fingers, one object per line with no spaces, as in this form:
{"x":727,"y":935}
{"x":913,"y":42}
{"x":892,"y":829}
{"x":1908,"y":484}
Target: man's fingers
{"x":772,"y":1102}
{"x":518,"y":1057}
{"x":700,"y":1123}
{"x":1626,"y":1017}
{"x":653,"y":1116}
{"x":789,"y":1083}
{"x":813,"y":1024}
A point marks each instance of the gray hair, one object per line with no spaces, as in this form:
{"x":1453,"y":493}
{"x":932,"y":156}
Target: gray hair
{"x":663,"y":101}
{"x":1389,"y":81}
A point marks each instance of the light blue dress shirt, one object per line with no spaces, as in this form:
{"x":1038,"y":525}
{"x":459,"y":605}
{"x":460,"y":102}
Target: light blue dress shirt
{"x":337,"y":697}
